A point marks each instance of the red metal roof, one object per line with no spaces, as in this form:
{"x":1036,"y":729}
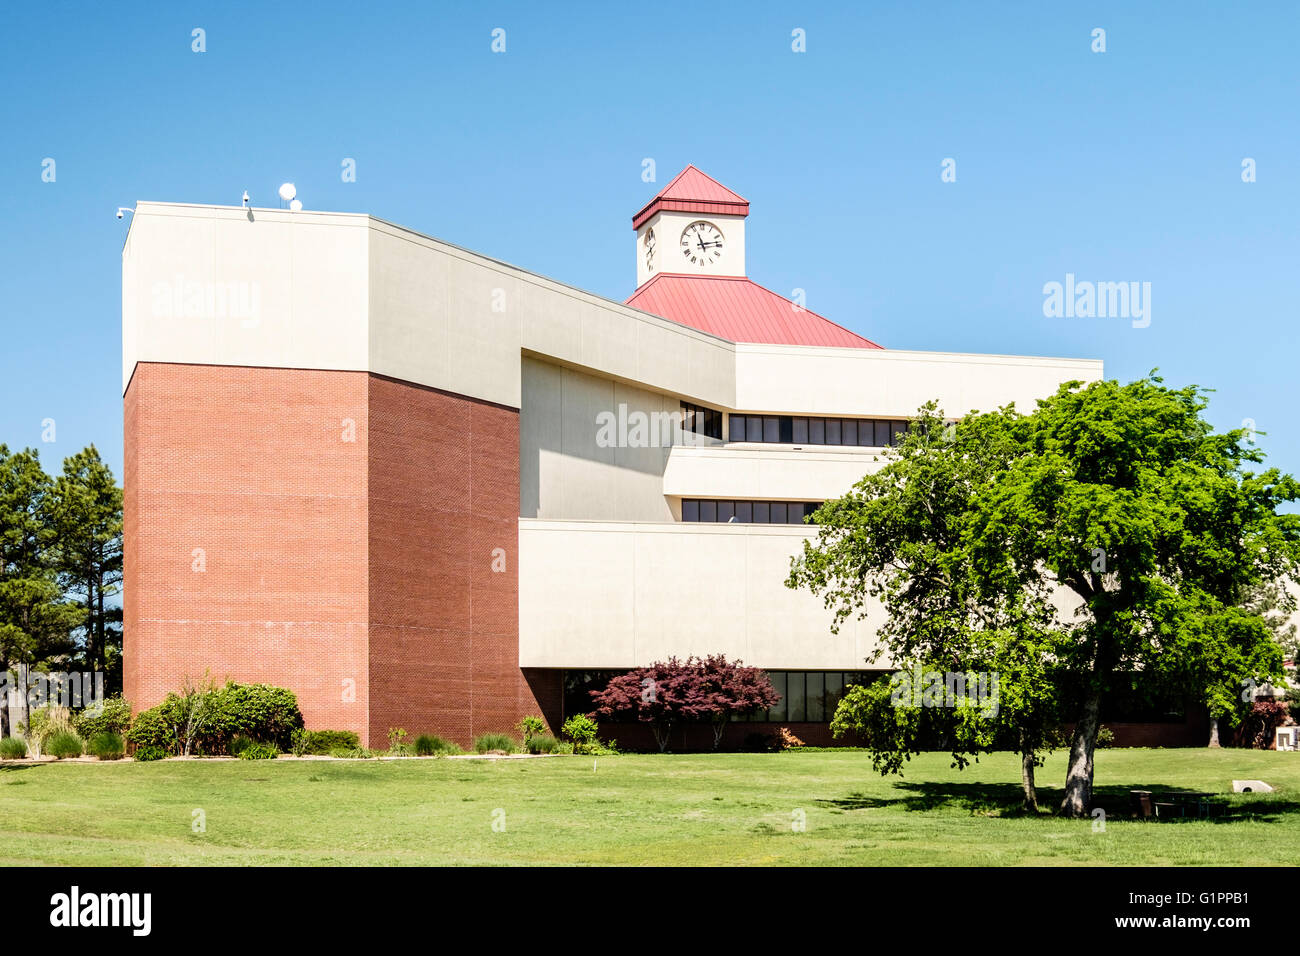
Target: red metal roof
{"x":739,"y":310}
{"x":693,"y":191}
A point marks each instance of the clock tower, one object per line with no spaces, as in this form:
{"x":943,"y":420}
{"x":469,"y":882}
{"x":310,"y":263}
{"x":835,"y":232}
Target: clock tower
{"x":694,"y":226}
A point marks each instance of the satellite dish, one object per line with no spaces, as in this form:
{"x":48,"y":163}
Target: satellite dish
{"x":288,"y":191}
{"x":296,"y":205}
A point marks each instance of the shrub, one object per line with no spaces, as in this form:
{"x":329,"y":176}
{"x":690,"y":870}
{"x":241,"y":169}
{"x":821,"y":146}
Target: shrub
{"x":531,"y":727}
{"x":1105,"y":737}
{"x":431,"y":745}
{"x":581,"y":729}
{"x":397,"y":745}
{"x":496,"y":742}
{"x":152,"y":728}
{"x":13,"y":748}
{"x":256,"y":751}
{"x":107,"y":745}
{"x":44,"y":723}
{"x":111,"y":716}
{"x":208,"y":719}
{"x":356,"y":753}
{"x":322,"y":742}
{"x":259,"y":711}
{"x":783,"y":739}
{"x":541,"y":744}
{"x":239,"y":743}
{"x":65,"y":744}
{"x":563,"y":747}
{"x":149,"y":752}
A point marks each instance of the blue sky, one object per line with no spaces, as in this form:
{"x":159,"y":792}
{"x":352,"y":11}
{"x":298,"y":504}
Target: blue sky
{"x":1116,"y":166}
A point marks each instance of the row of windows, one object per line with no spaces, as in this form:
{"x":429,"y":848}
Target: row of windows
{"x":789,"y":430}
{"x":702,"y":421}
{"x":810,"y":696}
{"x":747,"y":512}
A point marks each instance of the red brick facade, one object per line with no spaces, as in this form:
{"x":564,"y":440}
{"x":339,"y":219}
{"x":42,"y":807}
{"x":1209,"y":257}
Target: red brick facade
{"x":330,"y":532}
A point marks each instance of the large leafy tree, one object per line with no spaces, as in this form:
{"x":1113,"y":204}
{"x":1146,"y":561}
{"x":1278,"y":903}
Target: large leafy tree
{"x":1120,"y":500}
{"x":902,"y":536}
{"x":86,"y":513}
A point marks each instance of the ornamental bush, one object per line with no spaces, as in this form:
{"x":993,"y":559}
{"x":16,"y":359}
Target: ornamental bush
{"x":152,"y":728}
{"x":581,"y":729}
{"x":106,"y":746}
{"x":256,"y":751}
{"x":112,"y":716}
{"x":541,"y":744}
{"x":502,"y":742}
{"x":149,"y":752}
{"x":64,"y":744}
{"x":431,"y":745}
{"x":13,"y":748}
{"x":210,"y":718}
{"x":321,"y":742}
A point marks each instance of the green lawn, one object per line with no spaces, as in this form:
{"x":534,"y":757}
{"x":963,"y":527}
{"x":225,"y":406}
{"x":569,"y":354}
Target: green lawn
{"x":687,"y":809}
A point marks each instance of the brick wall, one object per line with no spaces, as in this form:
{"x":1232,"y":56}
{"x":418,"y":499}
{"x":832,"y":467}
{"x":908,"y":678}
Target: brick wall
{"x":245,"y":524}
{"x":330,"y":532}
{"x":444,"y":583}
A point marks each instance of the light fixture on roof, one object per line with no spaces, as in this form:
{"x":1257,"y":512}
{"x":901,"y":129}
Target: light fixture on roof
{"x":246,"y":197}
{"x":122,"y":209}
{"x":289,"y":193}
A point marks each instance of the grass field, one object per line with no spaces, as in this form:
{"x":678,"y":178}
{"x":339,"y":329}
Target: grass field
{"x":638,"y":810}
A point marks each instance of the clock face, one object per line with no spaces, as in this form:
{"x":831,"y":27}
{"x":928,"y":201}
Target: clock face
{"x":701,"y":244}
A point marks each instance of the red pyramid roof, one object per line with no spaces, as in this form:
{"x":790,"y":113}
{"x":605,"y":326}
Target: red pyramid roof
{"x":693,"y":191}
{"x":740,"y":310}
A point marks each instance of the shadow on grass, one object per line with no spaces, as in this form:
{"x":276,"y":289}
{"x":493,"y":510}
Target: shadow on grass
{"x":15,"y":767}
{"x":1005,"y":800}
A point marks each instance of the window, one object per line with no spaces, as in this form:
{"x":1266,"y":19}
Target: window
{"x":747,"y":512}
{"x":698,"y":420}
{"x":808,"y":695}
{"x":806,"y":430}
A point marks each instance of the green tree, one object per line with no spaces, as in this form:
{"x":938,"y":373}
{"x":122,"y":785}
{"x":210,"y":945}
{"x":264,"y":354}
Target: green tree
{"x":1120,"y":498}
{"x":35,"y":620}
{"x":901,"y":535}
{"x":86,"y":512}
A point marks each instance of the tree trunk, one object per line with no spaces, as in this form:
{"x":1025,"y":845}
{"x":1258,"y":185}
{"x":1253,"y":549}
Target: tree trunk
{"x":1027,"y":781}
{"x":719,"y":728}
{"x":1078,"y":779}
{"x":1214,"y":732}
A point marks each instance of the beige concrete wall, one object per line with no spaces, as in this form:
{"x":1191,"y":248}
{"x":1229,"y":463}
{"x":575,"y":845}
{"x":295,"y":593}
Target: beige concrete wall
{"x":232,"y":286}
{"x":891,"y":384}
{"x":622,"y":594}
{"x":564,"y":471}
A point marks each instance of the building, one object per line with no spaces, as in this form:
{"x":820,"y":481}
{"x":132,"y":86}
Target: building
{"x":424,"y":488}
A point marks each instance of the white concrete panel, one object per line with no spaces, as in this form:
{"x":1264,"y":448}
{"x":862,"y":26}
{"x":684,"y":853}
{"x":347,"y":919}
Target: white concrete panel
{"x":754,"y":471}
{"x":694,"y":588}
{"x":230,"y":286}
{"x":888,"y":383}
{"x":600,"y":562}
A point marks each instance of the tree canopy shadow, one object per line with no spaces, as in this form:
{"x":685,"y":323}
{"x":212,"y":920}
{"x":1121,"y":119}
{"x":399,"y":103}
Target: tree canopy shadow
{"x":1006,"y":800}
